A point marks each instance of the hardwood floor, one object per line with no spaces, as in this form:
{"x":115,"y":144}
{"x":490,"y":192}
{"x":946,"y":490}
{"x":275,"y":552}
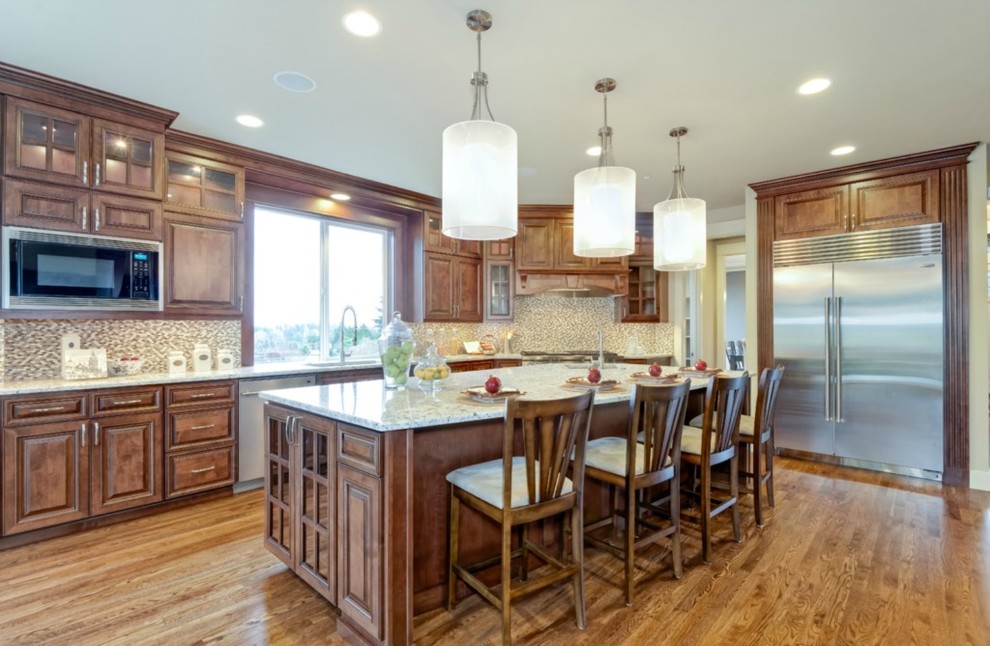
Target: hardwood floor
{"x":847,"y":556}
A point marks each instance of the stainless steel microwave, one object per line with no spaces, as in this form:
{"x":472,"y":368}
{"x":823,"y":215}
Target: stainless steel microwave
{"x":68,"y":271}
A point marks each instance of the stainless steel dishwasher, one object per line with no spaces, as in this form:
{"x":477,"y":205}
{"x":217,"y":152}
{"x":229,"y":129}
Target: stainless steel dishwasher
{"x":251,"y":425}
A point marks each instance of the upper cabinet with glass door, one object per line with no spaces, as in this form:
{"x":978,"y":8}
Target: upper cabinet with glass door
{"x":49,"y":144}
{"x":203,"y":186}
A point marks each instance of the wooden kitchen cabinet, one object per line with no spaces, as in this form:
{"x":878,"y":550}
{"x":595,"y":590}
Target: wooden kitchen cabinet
{"x":646,"y":300}
{"x":499,"y":289}
{"x":54,"y":145}
{"x":452,"y":288}
{"x":360,"y":560}
{"x":77,"y":210}
{"x":203,"y":186}
{"x":546,"y":243}
{"x":435,"y":240}
{"x":204,"y":265}
{"x":45,"y":475}
{"x":69,"y":457}
{"x":127,"y":465}
{"x":898,"y":200}
{"x":200,"y":441}
{"x":300,"y":502}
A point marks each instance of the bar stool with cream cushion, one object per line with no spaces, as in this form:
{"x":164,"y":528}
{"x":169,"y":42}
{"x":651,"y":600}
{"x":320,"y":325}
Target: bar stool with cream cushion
{"x":656,"y":415}
{"x":515,"y":490}
{"x":715,"y":443}
{"x":758,"y":444}
{"x":756,"y":439}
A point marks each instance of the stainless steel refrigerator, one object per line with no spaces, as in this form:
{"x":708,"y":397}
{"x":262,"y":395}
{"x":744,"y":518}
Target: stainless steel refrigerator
{"x":858,"y":325}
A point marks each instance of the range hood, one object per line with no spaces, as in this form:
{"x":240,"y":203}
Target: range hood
{"x":574,"y":285}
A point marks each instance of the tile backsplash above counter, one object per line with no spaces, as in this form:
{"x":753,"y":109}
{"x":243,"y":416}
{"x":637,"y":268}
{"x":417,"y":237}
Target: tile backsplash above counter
{"x":553,"y":324}
{"x":31,"y":348}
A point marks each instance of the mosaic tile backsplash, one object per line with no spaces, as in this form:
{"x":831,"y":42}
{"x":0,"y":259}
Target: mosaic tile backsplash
{"x":553,"y":324}
{"x":30,"y":349}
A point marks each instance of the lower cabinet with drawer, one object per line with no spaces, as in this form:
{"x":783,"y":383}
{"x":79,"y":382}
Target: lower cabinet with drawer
{"x":200,"y":447}
{"x":71,"y":456}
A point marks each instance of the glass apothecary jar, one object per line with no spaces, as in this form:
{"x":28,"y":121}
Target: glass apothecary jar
{"x":431,"y":369}
{"x":396,"y":348}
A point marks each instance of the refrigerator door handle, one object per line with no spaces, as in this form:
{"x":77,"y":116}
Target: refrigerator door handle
{"x":828,"y":359}
{"x":838,"y":359}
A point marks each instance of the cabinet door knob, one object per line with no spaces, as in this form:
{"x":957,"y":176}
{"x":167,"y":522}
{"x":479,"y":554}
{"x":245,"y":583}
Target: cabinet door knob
{"x":96,"y":179}
{"x":96,"y":433}
{"x":85,"y":218}
{"x":85,"y":173}
{"x":96,"y":219}
{"x":82,"y":434}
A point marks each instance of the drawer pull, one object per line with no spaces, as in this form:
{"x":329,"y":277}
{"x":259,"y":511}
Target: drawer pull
{"x":126,"y":402}
{"x":49,"y":409}
{"x":202,"y":395}
{"x":203,"y":470}
{"x":201,"y":427}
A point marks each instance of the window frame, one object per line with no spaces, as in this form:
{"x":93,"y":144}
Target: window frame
{"x":396,"y":218}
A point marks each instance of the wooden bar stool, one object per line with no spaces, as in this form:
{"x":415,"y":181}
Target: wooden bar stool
{"x":756,"y":439}
{"x":520,"y":489}
{"x":715,"y":443}
{"x":648,"y":456}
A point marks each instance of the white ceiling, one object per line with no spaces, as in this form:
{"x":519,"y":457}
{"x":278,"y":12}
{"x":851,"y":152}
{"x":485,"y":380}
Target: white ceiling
{"x":909,"y":76}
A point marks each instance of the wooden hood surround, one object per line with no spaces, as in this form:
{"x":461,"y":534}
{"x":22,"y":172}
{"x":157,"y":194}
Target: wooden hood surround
{"x":947,"y":168}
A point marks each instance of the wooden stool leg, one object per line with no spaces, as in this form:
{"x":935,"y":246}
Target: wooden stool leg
{"x":757,"y":482}
{"x":524,"y":554}
{"x":577,"y":538}
{"x":452,"y":538}
{"x":770,"y":452}
{"x":506,"y":585}
{"x":675,"y":518}
{"x":734,"y":492}
{"x":706,"y":513}
{"x":630,"y":546}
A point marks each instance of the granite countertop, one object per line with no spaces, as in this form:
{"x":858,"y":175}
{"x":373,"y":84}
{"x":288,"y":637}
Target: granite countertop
{"x":260,"y":371}
{"x":370,"y":405}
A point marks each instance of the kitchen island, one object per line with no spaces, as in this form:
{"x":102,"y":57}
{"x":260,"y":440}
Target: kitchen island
{"x":356,"y":497}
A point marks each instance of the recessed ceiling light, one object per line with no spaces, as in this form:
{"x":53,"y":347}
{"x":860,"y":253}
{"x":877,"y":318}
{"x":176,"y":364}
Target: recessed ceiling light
{"x":294,"y":82}
{"x":249,"y":121}
{"x":362,"y":23}
{"x":527,"y":171}
{"x":340,"y":197}
{"x":843,"y":150}
{"x":814,"y":86}
{"x":594,"y":151}
{"x":647,"y":176}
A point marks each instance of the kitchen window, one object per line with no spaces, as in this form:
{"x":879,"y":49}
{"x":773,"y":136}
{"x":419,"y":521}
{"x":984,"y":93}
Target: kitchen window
{"x":307,"y":270}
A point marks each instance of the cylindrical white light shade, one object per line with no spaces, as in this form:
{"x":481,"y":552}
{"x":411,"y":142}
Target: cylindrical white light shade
{"x":679,"y":234}
{"x":480,"y":181}
{"x":605,"y":212}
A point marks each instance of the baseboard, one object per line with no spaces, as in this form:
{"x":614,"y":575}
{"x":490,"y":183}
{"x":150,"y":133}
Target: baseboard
{"x":979,"y":480}
{"x":247,"y":485}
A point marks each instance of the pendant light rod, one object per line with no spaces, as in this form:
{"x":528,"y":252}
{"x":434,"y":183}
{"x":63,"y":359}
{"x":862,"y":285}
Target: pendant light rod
{"x":604,"y":86}
{"x":677,"y":189}
{"x":480,"y":21}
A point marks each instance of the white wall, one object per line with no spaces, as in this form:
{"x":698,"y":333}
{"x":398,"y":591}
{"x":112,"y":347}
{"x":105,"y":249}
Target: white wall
{"x":979,"y":359}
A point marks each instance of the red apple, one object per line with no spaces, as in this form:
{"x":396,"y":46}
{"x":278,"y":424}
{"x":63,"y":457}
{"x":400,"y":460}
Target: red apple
{"x":655,"y":370}
{"x":594,"y":375}
{"x":493,"y":385}
{"x":701,"y":364}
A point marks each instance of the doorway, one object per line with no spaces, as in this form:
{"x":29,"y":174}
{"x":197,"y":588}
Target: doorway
{"x":730,"y":302}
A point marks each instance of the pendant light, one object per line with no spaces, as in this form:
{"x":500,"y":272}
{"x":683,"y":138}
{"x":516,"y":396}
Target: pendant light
{"x":480,"y":167}
{"x":605,"y":199}
{"x":679,"y":228}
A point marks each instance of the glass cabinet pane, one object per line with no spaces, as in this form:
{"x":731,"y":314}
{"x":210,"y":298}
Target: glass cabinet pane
{"x":218,"y":180}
